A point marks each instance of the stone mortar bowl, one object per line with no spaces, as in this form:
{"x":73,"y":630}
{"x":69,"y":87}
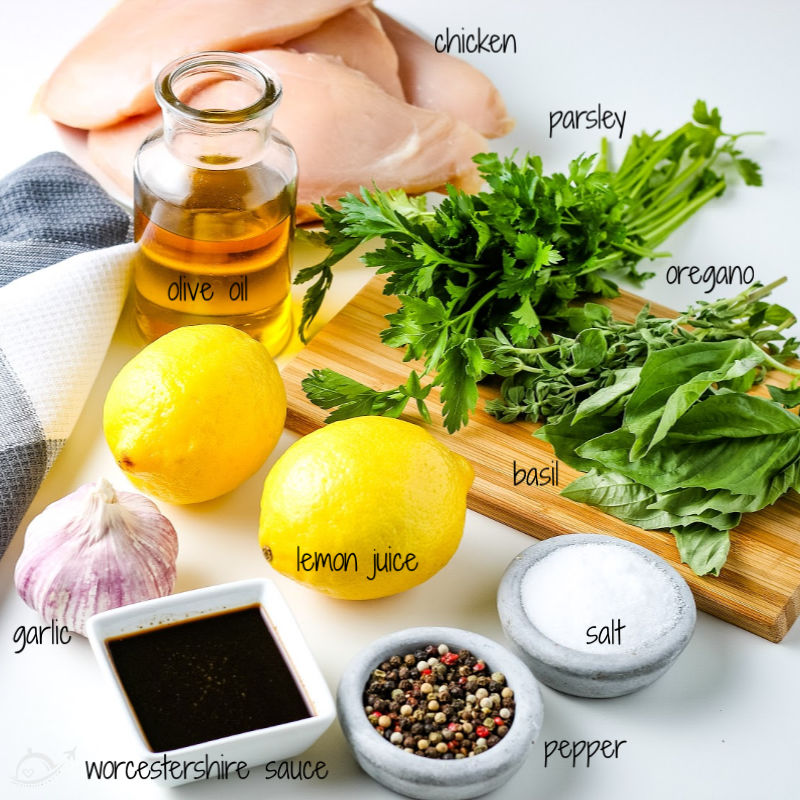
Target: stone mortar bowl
{"x":424,"y":778}
{"x":591,"y":674}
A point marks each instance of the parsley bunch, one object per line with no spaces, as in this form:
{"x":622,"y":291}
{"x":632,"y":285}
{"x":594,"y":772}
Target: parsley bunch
{"x":485,"y":272}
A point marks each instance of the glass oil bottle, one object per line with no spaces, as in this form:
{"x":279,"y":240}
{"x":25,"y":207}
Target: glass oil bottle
{"x":215,"y":192}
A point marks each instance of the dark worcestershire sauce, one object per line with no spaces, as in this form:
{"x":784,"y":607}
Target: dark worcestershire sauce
{"x":205,"y":678}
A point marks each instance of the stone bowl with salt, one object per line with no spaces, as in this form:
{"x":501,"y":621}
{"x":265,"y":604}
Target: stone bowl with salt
{"x":595,"y":616}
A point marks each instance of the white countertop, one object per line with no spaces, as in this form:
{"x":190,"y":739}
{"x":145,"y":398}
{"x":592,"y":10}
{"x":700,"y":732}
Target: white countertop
{"x":724,"y":721}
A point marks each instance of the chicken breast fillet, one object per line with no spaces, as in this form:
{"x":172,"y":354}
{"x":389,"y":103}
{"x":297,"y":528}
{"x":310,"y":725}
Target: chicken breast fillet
{"x":357,"y":37}
{"x":109,"y":74}
{"x":443,"y":82}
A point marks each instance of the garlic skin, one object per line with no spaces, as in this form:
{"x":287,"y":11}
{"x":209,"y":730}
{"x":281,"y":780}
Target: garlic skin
{"x":93,"y":550}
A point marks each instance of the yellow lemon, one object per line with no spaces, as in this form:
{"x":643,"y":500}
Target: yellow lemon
{"x":364,"y":508}
{"x":195,"y":413}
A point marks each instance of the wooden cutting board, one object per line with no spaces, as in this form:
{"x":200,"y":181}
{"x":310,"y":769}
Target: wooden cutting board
{"x":759,"y":588}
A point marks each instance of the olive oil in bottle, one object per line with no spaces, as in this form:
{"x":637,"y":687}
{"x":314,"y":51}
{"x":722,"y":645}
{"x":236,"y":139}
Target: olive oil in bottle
{"x":214,"y":203}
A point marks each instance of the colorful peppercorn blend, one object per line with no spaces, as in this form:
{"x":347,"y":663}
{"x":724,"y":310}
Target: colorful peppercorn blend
{"x":438,"y":703}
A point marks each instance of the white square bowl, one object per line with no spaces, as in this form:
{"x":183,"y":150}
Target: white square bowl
{"x":253,"y":747}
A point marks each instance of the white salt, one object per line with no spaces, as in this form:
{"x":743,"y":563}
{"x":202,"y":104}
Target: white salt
{"x":577,"y":587}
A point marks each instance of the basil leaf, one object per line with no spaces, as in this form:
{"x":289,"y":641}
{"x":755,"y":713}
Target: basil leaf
{"x":695,"y":500}
{"x":786,"y":397}
{"x":742,"y":466}
{"x":566,"y":437}
{"x":777,"y":315}
{"x":602,"y":399}
{"x":743,"y":383}
{"x":702,"y":548}
{"x":609,"y":449}
{"x":673,"y":380}
{"x":635,"y":504}
{"x":620,"y":496}
{"x":733,"y":416}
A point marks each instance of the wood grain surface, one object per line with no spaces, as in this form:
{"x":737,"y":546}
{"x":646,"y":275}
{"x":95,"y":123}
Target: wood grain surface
{"x":759,"y":587}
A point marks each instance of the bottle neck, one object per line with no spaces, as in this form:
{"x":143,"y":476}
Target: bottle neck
{"x":215,"y":146}
{"x":217,"y":109}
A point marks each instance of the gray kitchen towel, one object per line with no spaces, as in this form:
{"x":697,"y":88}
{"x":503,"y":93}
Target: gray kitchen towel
{"x":63,"y":278}
{"x":51,"y":209}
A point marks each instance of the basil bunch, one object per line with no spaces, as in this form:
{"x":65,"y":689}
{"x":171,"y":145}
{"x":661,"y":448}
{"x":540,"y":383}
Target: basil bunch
{"x":677,"y":444}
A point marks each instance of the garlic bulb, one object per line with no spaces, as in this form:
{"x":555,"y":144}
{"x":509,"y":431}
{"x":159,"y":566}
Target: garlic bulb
{"x":93,"y":550}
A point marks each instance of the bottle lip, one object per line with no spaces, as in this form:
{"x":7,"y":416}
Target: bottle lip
{"x":223,"y":61}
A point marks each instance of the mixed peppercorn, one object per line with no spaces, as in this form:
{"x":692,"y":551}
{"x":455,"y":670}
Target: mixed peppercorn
{"x":439,"y":703}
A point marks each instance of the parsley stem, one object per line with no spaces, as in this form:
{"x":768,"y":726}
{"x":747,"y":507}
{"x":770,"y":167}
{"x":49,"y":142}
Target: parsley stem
{"x":460,"y":266}
{"x":638,"y":250}
{"x":659,"y":196}
{"x":659,"y":212}
{"x":602,"y":162}
{"x":632,"y":185}
{"x":658,"y":232}
{"x":470,"y":314}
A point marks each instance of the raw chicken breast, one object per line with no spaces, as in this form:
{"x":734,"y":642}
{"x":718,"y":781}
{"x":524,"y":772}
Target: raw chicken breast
{"x":442,"y":82}
{"x":347,"y":132}
{"x":109,"y":74}
{"x":357,"y":37}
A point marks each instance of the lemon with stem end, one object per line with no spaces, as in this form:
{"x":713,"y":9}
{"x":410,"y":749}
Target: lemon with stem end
{"x":358,"y":490}
{"x":195,"y":413}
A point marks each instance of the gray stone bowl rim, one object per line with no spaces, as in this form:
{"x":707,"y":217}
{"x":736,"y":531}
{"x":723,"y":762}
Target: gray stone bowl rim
{"x":519,"y":737}
{"x":530,"y":639}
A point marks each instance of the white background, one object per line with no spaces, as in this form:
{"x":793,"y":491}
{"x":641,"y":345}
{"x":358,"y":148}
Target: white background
{"x":724,"y":721}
